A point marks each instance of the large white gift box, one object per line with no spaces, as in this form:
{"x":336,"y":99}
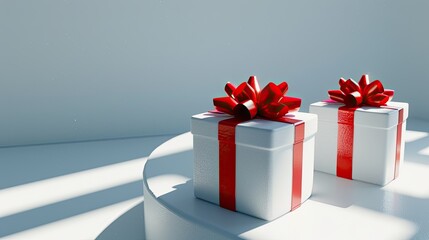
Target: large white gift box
{"x":364,"y":143}
{"x":260,"y":167}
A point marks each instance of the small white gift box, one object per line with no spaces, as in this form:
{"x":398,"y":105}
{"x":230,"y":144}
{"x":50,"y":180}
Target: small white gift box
{"x":364,"y":143}
{"x":260,"y":167}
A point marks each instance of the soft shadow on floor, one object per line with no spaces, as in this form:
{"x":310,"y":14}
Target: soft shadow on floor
{"x":45,"y":185}
{"x":20,"y":165}
{"x":417,"y":142}
{"x":129,"y":225}
{"x":65,"y":209}
{"x":399,"y":198}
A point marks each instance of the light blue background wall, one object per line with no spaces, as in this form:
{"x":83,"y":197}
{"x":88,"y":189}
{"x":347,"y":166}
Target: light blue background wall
{"x":92,"y":69}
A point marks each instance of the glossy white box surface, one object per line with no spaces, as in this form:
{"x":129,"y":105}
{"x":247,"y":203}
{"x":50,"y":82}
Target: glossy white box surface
{"x":374,"y":140}
{"x":264,"y":154}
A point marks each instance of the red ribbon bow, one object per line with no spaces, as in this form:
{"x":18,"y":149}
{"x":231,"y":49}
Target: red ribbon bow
{"x":364,"y":93}
{"x":247,"y":100}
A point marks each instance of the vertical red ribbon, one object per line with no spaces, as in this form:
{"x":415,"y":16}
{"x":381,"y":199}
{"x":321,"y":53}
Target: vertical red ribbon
{"x":345,"y":141}
{"x":298,"y":147}
{"x":226,"y":137}
{"x":227,"y":161}
{"x":398,"y":141}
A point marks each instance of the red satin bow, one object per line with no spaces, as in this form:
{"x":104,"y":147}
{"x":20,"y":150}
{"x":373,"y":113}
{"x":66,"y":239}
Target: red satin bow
{"x":364,"y":93}
{"x":247,"y":100}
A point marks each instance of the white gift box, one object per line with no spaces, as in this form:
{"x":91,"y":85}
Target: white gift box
{"x":377,"y":146}
{"x":264,"y":155}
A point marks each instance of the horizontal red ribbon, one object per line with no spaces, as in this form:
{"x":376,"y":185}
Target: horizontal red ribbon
{"x":247,"y":100}
{"x":227,"y":161}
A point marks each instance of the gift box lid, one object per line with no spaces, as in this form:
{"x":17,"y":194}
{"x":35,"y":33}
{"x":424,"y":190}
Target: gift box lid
{"x":258,"y":133}
{"x":377,"y":117}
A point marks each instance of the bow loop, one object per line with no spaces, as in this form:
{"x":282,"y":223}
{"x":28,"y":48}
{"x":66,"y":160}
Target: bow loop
{"x":270,"y":93}
{"x":378,"y":99}
{"x":349,"y":86}
{"x":225,"y":104}
{"x":229,"y":88}
{"x":368,"y":93}
{"x":292,"y":103}
{"x":389,"y":93}
{"x":283,"y":86}
{"x":353,"y":99}
{"x":245,"y":110}
{"x":243,"y":92}
{"x":253,"y":82}
{"x":374,"y":88}
{"x":247,"y":100}
{"x":364,"y":81}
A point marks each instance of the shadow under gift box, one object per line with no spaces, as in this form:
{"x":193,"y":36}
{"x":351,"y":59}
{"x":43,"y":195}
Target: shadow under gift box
{"x":264,"y":162}
{"x":374,"y":140}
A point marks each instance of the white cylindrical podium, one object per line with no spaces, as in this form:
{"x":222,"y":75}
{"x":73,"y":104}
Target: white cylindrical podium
{"x":337,"y":209}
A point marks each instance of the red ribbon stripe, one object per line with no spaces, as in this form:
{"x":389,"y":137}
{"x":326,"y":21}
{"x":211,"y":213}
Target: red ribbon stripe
{"x":354,"y":95}
{"x":398,"y":138}
{"x":226,"y":138}
{"x":399,"y":141}
{"x":345,"y":141}
{"x":298,"y":148}
{"x":227,"y":161}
